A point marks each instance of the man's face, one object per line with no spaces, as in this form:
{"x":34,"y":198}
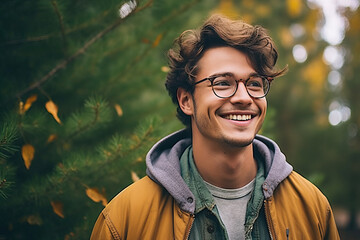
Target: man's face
{"x":216,"y":119}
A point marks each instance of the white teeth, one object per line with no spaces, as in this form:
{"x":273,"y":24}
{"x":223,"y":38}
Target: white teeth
{"x":238,"y":117}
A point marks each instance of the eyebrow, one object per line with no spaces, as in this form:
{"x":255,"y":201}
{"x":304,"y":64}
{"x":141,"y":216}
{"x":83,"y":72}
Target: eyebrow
{"x":231,"y":74}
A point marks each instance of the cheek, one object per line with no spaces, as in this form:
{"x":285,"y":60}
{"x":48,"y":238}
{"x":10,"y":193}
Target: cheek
{"x":262,"y":104}
{"x":206,"y":101}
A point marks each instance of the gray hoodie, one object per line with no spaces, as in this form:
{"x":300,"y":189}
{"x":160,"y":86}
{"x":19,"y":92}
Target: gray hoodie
{"x":163,"y":166}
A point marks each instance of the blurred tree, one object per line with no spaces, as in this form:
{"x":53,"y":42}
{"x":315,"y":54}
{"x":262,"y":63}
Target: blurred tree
{"x":350,"y":164}
{"x":82,"y":100}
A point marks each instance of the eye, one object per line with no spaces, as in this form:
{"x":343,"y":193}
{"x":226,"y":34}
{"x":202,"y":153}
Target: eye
{"x":222,"y":81}
{"x":255,"y":82}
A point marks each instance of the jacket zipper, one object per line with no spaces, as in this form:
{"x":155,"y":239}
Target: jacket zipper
{"x":268,"y":220}
{"x":287,"y":233}
{"x":189,"y":226}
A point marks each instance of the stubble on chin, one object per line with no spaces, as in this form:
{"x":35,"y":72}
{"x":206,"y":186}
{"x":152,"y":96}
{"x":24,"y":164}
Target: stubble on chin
{"x":238,"y":143}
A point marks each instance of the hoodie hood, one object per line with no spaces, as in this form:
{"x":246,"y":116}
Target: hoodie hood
{"x":163,"y":166}
{"x":276,"y":167}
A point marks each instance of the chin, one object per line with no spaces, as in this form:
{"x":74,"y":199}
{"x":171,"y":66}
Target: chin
{"x":239,"y":142}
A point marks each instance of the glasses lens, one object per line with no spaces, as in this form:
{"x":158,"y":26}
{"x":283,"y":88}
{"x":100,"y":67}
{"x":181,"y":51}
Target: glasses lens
{"x":257,"y":86}
{"x":224,"y":86}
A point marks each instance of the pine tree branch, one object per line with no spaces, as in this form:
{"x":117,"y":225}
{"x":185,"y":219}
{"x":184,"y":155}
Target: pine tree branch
{"x":76,"y":28}
{"x":60,"y":17}
{"x":6,"y":183}
{"x":90,"y":124}
{"x":68,"y":30}
{"x":2,"y":182}
{"x":48,"y":36}
{"x":2,"y":185}
{"x":64,"y":63}
{"x":29,"y":39}
{"x":79,"y":52}
{"x":79,"y":170}
{"x":8,"y":136}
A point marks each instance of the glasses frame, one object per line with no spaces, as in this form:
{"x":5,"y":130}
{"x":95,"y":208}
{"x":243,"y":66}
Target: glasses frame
{"x":212,"y":78}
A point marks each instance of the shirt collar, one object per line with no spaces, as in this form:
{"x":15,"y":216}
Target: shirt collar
{"x":203,"y":197}
{"x":191,"y":176}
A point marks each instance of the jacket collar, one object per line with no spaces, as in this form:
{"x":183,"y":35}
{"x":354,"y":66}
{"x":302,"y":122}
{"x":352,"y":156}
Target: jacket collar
{"x":163,"y":166}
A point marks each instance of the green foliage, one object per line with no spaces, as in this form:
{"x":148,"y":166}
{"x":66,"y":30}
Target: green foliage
{"x":8,"y":147}
{"x":6,"y":180}
{"x":87,"y":61}
{"x":8,"y":136}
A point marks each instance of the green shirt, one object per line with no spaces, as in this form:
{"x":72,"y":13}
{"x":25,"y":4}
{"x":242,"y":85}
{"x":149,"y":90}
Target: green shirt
{"x":208,"y":224}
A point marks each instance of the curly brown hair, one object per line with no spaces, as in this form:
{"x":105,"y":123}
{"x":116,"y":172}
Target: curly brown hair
{"x":217,"y":31}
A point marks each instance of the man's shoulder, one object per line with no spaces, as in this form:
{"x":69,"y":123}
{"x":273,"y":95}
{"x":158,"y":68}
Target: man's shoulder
{"x":140,"y":197}
{"x":300,"y":181}
{"x":298,"y":200}
{"x":303,"y":189}
{"x":139,"y":191}
{"x":143,"y":184}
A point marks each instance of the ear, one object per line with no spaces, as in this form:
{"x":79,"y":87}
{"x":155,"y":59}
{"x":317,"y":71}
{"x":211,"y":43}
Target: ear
{"x":185,"y":101}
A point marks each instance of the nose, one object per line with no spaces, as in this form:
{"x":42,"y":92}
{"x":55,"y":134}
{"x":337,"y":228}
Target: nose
{"x":241,"y":95}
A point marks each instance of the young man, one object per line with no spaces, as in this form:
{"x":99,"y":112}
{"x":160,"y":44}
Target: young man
{"x":218,"y":179}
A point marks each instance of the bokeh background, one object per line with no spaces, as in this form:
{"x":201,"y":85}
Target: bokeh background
{"x":82,"y":100}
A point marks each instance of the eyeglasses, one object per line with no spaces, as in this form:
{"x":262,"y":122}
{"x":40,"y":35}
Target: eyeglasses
{"x":225,"y":85}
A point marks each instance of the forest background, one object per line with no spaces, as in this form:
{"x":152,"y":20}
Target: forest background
{"x":82,"y":100}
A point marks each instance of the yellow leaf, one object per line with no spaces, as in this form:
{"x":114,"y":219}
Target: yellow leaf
{"x":53,"y":110}
{"x":51,"y":138}
{"x":28,"y":103}
{"x":69,"y":236}
{"x":157,"y":40}
{"x":27,"y":152}
{"x":293,"y":7}
{"x":21,"y":107}
{"x":34,"y":220}
{"x":165,"y":69}
{"x":134,"y":176}
{"x":96,"y":196}
{"x":107,"y":153}
{"x":58,"y":208}
{"x":119,"y":110}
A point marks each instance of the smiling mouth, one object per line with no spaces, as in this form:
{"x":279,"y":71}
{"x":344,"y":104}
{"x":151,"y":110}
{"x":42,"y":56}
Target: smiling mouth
{"x":238,"y":117}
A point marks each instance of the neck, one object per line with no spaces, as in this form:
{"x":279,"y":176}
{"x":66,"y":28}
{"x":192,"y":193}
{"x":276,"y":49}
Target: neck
{"x":223,"y":165}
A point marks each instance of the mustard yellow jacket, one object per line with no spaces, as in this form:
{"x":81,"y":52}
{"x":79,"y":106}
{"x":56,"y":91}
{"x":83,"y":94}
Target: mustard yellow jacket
{"x":157,"y":207}
{"x":153,"y":214}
